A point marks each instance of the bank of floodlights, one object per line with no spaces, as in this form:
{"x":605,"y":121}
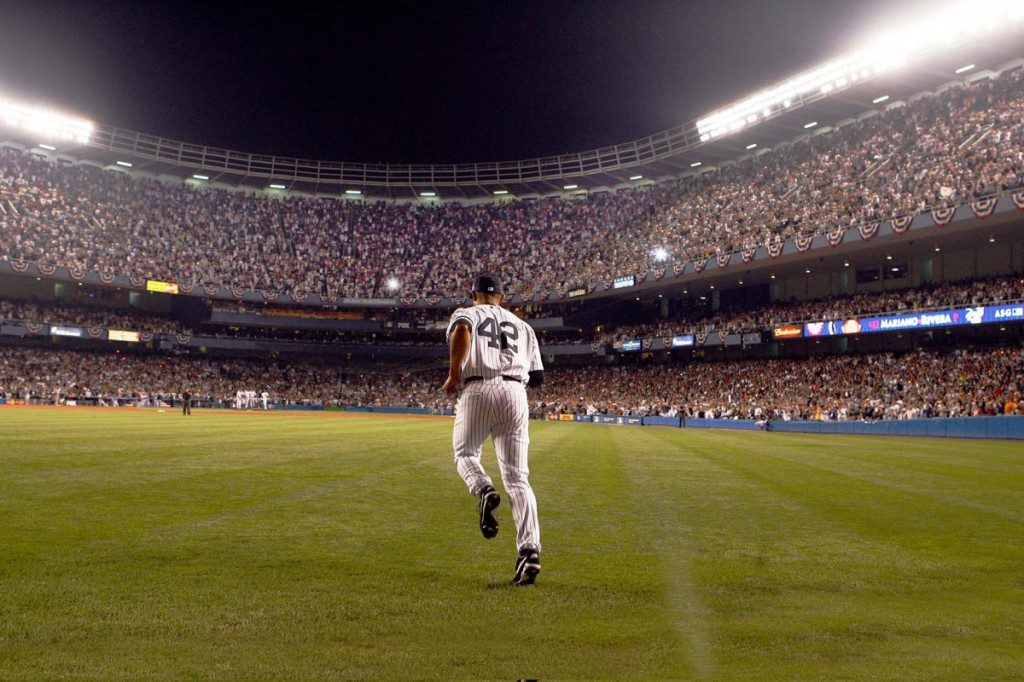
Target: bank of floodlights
{"x":944,"y":27}
{"x":46,"y":124}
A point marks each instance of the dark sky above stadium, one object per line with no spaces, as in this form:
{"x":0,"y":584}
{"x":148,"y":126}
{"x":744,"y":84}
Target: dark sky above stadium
{"x":414,"y":82}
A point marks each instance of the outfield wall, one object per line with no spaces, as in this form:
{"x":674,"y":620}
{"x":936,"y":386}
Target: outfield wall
{"x":399,"y":410}
{"x":1011,"y":427}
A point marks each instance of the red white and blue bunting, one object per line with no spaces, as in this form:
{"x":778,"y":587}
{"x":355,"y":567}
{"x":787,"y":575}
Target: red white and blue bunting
{"x":19,"y":265}
{"x":183,"y":338}
{"x":146,"y":337}
{"x":984,"y":207}
{"x":647,"y":343}
{"x":803,"y":243}
{"x":943,"y":215}
{"x":268,"y":296}
{"x":868,"y":230}
{"x":105,"y":277}
{"x":76,"y":273}
{"x":94,"y":332}
{"x":701,"y":338}
{"x":186,"y":288}
{"x":775,"y":248}
{"x":659,"y":275}
{"x":699,"y":265}
{"x":211,"y":289}
{"x":902,"y":223}
{"x":678,"y":269}
{"x":748,"y":254}
{"x":238,"y":293}
{"x":34,"y":327}
{"x":723,"y":259}
{"x":137,"y":281}
{"x":1018,"y":199}
{"x":47,"y":269}
{"x":835,"y":236}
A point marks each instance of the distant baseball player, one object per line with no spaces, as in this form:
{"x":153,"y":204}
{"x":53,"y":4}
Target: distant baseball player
{"x":494,"y":356}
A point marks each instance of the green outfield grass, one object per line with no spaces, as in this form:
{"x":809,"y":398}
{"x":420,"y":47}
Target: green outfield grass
{"x":138,"y":544}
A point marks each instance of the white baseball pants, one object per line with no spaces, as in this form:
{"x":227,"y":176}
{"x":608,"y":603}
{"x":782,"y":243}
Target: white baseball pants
{"x":498,"y":408}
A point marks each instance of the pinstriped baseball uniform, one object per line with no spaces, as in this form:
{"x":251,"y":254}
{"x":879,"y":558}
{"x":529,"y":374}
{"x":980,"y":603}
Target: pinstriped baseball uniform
{"x":502,"y":345}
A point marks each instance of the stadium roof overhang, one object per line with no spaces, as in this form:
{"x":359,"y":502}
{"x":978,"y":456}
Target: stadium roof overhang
{"x":685,"y":150}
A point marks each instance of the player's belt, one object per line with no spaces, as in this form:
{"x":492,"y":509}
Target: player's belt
{"x":504,"y":377}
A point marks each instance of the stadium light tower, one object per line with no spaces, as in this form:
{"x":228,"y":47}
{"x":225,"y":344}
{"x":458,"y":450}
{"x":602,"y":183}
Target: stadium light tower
{"x":49,"y":125}
{"x":944,"y":26}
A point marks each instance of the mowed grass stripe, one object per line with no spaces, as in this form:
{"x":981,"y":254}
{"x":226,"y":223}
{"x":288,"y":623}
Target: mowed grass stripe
{"x":364,"y":561}
{"x":863,"y":577}
{"x":1000,"y":493}
{"x":671,"y":539}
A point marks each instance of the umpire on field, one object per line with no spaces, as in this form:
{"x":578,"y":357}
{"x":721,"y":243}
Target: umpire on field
{"x":186,"y":402}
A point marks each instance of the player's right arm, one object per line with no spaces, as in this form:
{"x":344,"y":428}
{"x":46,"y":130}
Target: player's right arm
{"x":460,"y":335}
{"x":536,"y":371}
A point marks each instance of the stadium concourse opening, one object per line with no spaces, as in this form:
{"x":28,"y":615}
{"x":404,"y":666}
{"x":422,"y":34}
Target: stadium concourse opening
{"x":836,"y":255}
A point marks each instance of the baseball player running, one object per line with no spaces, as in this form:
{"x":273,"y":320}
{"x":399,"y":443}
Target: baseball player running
{"x":495,"y":357}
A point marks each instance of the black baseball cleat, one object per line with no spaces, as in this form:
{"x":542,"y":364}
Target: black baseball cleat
{"x":527,"y":566}
{"x":489,"y":501}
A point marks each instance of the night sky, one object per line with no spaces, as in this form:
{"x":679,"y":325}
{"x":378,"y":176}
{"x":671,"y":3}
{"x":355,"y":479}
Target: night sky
{"x":414,"y":82}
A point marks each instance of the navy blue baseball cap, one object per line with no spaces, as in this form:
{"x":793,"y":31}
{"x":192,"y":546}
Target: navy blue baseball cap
{"x":486,"y":283}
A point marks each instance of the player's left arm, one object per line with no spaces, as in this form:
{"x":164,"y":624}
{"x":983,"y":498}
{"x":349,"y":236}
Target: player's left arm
{"x":536,"y":370}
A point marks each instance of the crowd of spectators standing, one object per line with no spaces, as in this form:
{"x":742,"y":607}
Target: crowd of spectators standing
{"x":836,"y":388}
{"x":60,"y":313}
{"x":846,"y":387}
{"x":55,"y":376}
{"x":937,"y":150}
{"x":698,"y":318}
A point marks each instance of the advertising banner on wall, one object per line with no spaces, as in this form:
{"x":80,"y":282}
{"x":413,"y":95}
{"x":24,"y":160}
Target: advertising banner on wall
{"x":623,"y":282}
{"x":787,"y":331}
{"x":955,"y":317}
{"x":615,"y":419}
{"x":66,"y":331}
{"x":161,"y":287}
{"x":122,"y":335}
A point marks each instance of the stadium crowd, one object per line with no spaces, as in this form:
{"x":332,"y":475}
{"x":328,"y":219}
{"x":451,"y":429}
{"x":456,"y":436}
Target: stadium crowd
{"x":937,"y":150}
{"x":20,"y":310}
{"x":54,"y":376}
{"x":919,"y":384}
{"x":689,"y":318}
{"x":847,"y":387}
